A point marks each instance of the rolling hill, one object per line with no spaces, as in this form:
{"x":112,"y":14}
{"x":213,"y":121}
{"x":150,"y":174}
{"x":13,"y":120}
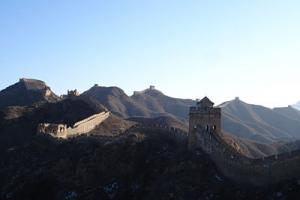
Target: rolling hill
{"x":116,"y":101}
{"x":289,"y":112}
{"x":26,"y":92}
{"x":147,"y":103}
{"x":154,"y":100}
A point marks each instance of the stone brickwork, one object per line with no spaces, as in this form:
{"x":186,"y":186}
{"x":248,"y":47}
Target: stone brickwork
{"x":205,"y":132}
{"x":87,"y":124}
{"x":55,"y":130}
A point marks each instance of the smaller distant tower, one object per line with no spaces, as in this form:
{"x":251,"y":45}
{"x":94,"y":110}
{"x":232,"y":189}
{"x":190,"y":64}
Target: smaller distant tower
{"x":152,"y":87}
{"x":73,"y":93}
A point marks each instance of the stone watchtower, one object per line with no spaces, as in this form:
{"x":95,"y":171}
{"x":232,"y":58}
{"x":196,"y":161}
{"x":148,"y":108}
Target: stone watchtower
{"x":204,"y":119}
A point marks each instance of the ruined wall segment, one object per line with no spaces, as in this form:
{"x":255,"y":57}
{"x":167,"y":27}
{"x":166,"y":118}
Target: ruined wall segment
{"x":55,"y":130}
{"x":81,"y":127}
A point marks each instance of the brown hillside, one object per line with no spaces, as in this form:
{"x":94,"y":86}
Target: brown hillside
{"x":148,"y":103}
{"x":117,"y":101}
{"x":26,"y":92}
{"x":18,"y":126}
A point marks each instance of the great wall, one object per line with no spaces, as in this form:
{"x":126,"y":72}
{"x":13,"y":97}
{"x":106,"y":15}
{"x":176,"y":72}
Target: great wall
{"x":205,"y":132}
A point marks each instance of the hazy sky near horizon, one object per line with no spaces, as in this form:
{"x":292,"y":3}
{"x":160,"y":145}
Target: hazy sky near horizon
{"x":187,"y":49}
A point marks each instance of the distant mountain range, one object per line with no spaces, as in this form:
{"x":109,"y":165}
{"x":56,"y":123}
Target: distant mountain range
{"x":257,"y":130}
{"x":259,"y":123}
{"x":261,"y":131}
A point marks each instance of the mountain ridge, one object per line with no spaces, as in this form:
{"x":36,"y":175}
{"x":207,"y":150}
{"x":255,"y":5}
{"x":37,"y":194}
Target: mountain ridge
{"x":147,"y":103}
{"x":260,"y":131}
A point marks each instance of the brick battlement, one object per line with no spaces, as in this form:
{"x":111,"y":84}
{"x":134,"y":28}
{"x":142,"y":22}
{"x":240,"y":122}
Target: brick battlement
{"x":198,"y":110}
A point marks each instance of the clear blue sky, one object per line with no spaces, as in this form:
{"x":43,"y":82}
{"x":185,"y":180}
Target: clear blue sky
{"x":218,"y":48}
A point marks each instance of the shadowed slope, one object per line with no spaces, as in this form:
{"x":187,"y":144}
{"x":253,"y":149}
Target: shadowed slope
{"x":116,"y":101}
{"x":68,"y":111}
{"x":148,"y":103}
{"x":162,"y":121}
{"x":112,"y":126}
{"x":19,"y":124}
{"x":159,"y":103}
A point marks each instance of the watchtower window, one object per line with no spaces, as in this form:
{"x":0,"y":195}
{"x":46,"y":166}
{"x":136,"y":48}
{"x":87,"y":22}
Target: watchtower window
{"x":214,"y":127}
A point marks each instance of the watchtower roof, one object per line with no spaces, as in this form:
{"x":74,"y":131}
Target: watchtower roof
{"x":205,"y":102}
